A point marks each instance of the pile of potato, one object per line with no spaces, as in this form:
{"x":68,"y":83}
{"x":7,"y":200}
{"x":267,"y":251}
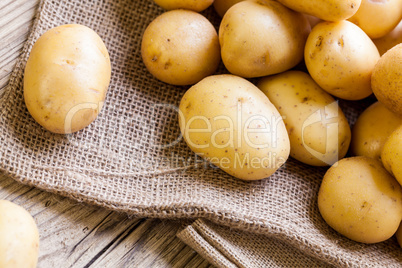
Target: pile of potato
{"x":249,"y":128}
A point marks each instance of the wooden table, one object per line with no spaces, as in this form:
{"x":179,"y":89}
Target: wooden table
{"x":73,"y":234}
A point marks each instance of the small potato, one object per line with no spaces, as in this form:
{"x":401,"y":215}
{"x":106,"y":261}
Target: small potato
{"x":361,"y":200}
{"x":372,"y":129}
{"x":19,"y":243}
{"x":66,"y":78}
{"x":221,"y":6}
{"x":180,"y":47}
{"x":378,"y":18}
{"x":260,"y":38}
{"x":386,"y":80}
{"x":340,"y":57}
{"x":194,"y":5}
{"x":390,"y":40}
{"x":318,"y":130}
{"x":231,"y":123}
{"x":329,"y":10}
{"x":391,"y":155}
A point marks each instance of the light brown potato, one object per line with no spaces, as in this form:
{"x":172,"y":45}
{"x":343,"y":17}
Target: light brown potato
{"x":231,"y":123}
{"x":66,"y":78}
{"x":390,"y":40}
{"x":329,"y":10}
{"x":19,"y":243}
{"x":377,"y":18}
{"x":180,"y":47}
{"x":361,"y":200}
{"x":340,"y":57}
{"x":194,"y":5}
{"x":318,"y":130}
{"x":260,"y":38}
{"x":398,"y":235}
{"x":391,"y":155}
{"x":312,"y":20}
{"x":386,"y":80}
{"x":221,"y":6}
{"x":372,"y":129}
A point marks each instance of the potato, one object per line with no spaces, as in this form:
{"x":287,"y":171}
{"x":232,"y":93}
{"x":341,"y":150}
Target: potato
{"x":260,"y":38}
{"x":19,"y":243}
{"x":398,"y":235}
{"x":391,"y":154}
{"x":194,"y":5}
{"x":378,"y":18}
{"x":340,"y":57}
{"x":66,"y":78}
{"x":330,"y":10}
{"x":386,"y":80}
{"x":372,"y":129}
{"x":390,"y":40}
{"x":318,"y":130}
{"x":180,"y":47}
{"x":221,"y":6}
{"x":231,"y":123}
{"x":361,"y":200}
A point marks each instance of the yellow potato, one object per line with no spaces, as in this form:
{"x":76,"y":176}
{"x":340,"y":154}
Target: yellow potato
{"x":66,"y":78}
{"x":398,"y":235}
{"x":390,"y":40}
{"x":180,"y":47}
{"x":231,"y":123}
{"x":377,"y":18}
{"x":329,"y":10}
{"x":221,"y":6}
{"x":391,"y":155}
{"x":386,"y":80}
{"x":340,"y":57}
{"x":194,"y":5}
{"x":361,"y":200}
{"x":260,"y":38}
{"x":372,"y":129}
{"x":318,"y":130}
{"x":19,"y":243}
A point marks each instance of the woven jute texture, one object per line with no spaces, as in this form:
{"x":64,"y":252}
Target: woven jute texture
{"x":132,"y":159}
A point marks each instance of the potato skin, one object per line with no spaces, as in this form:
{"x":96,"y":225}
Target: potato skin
{"x":197,"y":6}
{"x":221,"y":6}
{"x":19,"y":243}
{"x":180,"y":47}
{"x":314,"y":141}
{"x":329,"y":10}
{"x":378,"y":18}
{"x":260,"y":38}
{"x":231,"y":123}
{"x":372,"y":129}
{"x":390,"y":40}
{"x":340,"y":57}
{"x":391,"y":154}
{"x":361,"y":200}
{"x":66,"y":78}
{"x":386,"y":80}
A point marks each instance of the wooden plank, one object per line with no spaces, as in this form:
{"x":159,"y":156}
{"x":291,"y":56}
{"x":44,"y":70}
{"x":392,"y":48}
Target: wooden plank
{"x":74,"y":234}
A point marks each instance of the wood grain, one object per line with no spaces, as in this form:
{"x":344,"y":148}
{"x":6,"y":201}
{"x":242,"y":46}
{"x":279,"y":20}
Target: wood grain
{"x":73,"y":234}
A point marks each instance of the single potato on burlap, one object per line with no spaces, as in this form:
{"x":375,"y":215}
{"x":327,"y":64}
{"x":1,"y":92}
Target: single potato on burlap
{"x":329,"y":10}
{"x":260,"y":38}
{"x":372,"y":129}
{"x":340,"y":57}
{"x":180,"y":47}
{"x":231,"y":123}
{"x":359,"y":199}
{"x":19,"y":243}
{"x":318,"y":130}
{"x":391,"y":155}
{"x":386,"y":80}
{"x":194,"y":5}
{"x":377,"y":18}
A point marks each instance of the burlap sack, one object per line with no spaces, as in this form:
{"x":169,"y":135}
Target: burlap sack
{"x":122,"y":161}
